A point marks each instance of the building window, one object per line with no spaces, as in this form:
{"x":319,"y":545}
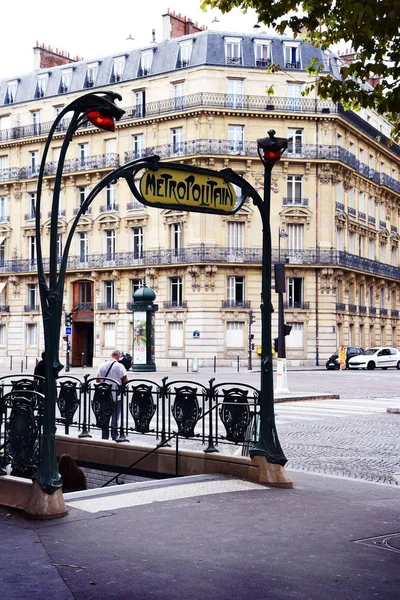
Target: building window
{"x":382,"y":212}
{"x":294,"y":295}
{"x":111,"y":196}
{"x":177,"y":95}
{"x":295,"y":140}
{"x":146,"y":59}
{"x":82,"y":193}
{"x":360,"y":245}
{"x":110,"y":244}
{"x":291,"y":56}
{"x":234,"y":334}
{"x":295,"y":338}
{"x":34,"y":163}
{"x":91,"y":75}
{"x":108,"y":290}
{"x":65,"y":81}
{"x":31,"y":334}
{"x":139,"y":109}
{"x":85,"y":292}
{"x":176,"y":334}
{"x":233,"y":51}
{"x":109,"y":335}
{"x":11,"y":91}
{"x":83,"y":155}
{"x":394,"y":256}
{"x":361,"y":202}
{"x":138,"y":145}
{"x":136,"y":284}
{"x":350,"y":198}
{"x":59,"y":246}
{"x":295,"y":236}
{"x":235,"y":93}
{"x":371,"y":249}
{"x":262,"y":53}
{"x":176,"y":237}
{"x":41,"y":85}
{"x":2,"y":335}
{"x":382,"y":252}
{"x":3,"y":208}
{"x":111,"y":146}
{"x":361,"y":156}
{"x":35,"y":115}
{"x":83,"y":246}
{"x":32,"y":296}
{"x":235,"y":236}
{"x":137,"y":241}
{"x":184,"y":54}
{"x":294,"y":96}
{"x":177,"y":140}
{"x":117,"y":69}
{"x":382,"y":298}
{"x":235,"y":292}
{"x":371,"y":206}
{"x":3,"y":162}
{"x":32,"y":248}
{"x":235,"y":139}
{"x":294,"y":186}
{"x":31,"y":205}
{"x":175,"y":290}
{"x":339,"y":239}
{"x":352,"y":239}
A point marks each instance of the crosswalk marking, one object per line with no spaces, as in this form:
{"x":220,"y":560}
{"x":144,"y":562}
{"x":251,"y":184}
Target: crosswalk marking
{"x":286,"y":412}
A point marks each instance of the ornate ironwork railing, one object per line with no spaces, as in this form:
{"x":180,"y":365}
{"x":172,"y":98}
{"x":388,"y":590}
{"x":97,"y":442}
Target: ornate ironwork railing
{"x":213,"y":414}
{"x":83,"y":306}
{"x":361,"y":215}
{"x":76,"y":210}
{"x":372,"y":310}
{"x":340,"y":306}
{"x":352,"y":211}
{"x":4,"y":308}
{"x":362,"y":309}
{"x":175,"y":304}
{"x":61,"y":213}
{"x":371,"y":220}
{"x":383,"y":312}
{"x":107,"y":306}
{"x":295,"y":201}
{"x":339,"y":206}
{"x":203,"y":254}
{"x":394,"y":312}
{"x":109,"y":208}
{"x":235,"y":304}
{"x":31,"y":307}
{"x":296,"y":305}
{"x":352,"y":308}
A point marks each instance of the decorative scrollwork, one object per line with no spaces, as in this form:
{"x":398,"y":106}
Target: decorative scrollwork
{"x":235,"y":414}
{"x":103,"y":404}
{"x":186,"y":410}
{"x":67,"y":401}
{"x":142,"y":407}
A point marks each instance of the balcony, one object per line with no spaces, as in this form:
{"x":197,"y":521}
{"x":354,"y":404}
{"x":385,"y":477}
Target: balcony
{"x":181,"y":64}
{"x":339,"y":206}
{"x":362,"y":309}
{"x":109,"y":208}
{"x":31,"y":308}
{"x":82,"y":306}
{"x":263,"y":63}
{"x":351,"y":211}
{"x":107,"y":306}
{"x":235,"y":304}
{"x":61,"y":213}
{"x":372,"y":310}
{"x":295,"y":202}
{"x":135,"y":205}
{"x":4,"y":308}
{"x":292,"y":65}
{"x":382,"y":224}
{"x":87,"y":212}
{"x":371,"y":220}
{"x":383,"y":312}
{"x":175,"y":304}
{"x":340,"y":307}
{"x":300,"y":305}
{"x":234,"y":60}
{"x":353,"y":308}
{"x":361,"y":216}
{"x":394,"y":312}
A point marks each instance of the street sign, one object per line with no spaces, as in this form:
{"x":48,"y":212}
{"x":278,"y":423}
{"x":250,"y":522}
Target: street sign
{"x":68,"y":331}
{"x":196,"y":333}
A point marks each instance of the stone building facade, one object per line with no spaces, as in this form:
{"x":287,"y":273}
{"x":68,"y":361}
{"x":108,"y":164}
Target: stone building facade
{"x":201,"y":99}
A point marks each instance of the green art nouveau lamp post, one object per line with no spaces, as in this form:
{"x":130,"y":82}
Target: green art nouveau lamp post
{"x":270,"y":150}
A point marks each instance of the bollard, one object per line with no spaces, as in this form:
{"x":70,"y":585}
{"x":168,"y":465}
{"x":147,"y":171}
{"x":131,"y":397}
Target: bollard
{"x":187,"y":365}
{"x":195,"y":365}
{"x":26,"y":363}
{"x":238,"y":363}
{"x":215,"y":364}
{"x":83,"y":360}
{"x":22,"y":366}
{"x":10,"y":363}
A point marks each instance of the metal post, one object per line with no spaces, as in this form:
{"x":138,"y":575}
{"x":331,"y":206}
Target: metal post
{"x":10,"y":363}
{"x":268,"y":443}
{"x":67,"y":357}
{"x":26,"y":363}
{"x":83,"y":360}
{"x":22,"y":366}
{"x":215,"y":364}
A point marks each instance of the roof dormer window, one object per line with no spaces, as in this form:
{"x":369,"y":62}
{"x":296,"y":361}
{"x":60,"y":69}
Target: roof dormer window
{"x":184,"y":54}
{"x":11,"y":91}
{"x":41,"y":85}
{"x":291,"y":55}
{"x":146,"y":59}
{"x":117,"y":69}
{"x":65,"y":81}
{"x":262,"y":53}
{"x":233,"y":51}
{"x":91,"y":75}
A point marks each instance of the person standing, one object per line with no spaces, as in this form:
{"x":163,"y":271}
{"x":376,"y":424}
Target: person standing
{"x":342,"y":358}
{"x":40,"y":370}
{"x":114,"y":370}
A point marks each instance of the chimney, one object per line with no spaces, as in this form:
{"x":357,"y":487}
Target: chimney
{"x":175,"y":26}
{"x":348,"y":56}
{"x":46,"y":58}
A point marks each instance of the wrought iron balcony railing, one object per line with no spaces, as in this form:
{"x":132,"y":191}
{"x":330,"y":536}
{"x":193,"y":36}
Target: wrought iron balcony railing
{"x":394,"y":312}
{"x":109,"y":208}
{"x":372,"y":310}
{"x":300,"y":305}
{"x":371,"y":220}
{"x":235,"y":304}
{"x":353,"y":308}
{"x":136,"y":205}
{"x":361,"y":215}
{"x":383,"y":312}
{"x":292,"y":65}
{"x":339,"y":205}
{"x":83,"y":306}
{"x":175,"y":304}
{"x":340,"y":306}
{"x":295,"y":201}
{"x":351,"y":211}
{"x":31,"y":307}
{"x":362,"y":309}
{"x":203,"y":254}
{"x":4,"y":308}
{"x":107,"y":306}
{"x":61,"y":213}
{"x":76,"y":210}
{"x":382,"y":224}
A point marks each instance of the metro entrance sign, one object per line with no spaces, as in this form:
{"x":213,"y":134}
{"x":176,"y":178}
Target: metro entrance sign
{"x":184,"y":187}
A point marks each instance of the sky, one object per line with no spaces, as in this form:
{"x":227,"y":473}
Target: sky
{"x":82,"y":30}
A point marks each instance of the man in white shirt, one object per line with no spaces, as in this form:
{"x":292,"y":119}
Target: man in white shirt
{"x":114,"y":370}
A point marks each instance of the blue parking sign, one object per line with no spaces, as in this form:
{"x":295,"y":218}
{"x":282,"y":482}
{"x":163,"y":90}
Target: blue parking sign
{"x":68,"y":331}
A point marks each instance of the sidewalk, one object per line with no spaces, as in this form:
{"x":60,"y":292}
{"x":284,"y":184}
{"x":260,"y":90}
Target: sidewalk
{"x":210,"y":537}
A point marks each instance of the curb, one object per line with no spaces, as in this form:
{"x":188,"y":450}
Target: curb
{"x":309,"y":397}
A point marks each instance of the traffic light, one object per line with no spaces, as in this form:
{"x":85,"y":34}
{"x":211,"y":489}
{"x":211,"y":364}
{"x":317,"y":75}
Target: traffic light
{"x":276,"y":345}
{"x":252,"y":317}
{"x":68,"y":319}
{"x":287,"y":329}
{"x":251,"y":336}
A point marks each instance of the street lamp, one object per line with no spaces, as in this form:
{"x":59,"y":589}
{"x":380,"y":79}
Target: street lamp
{"x":270,"y":150}
{"x":281,"y":234}
{"x":101,"y":110}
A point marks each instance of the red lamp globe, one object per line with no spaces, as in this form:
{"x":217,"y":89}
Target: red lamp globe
{"x":272,"y":156}
{"x":101,"y":118}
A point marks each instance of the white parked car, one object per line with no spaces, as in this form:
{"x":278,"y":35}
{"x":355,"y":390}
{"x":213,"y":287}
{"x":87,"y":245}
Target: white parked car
{"x":376,"y":358}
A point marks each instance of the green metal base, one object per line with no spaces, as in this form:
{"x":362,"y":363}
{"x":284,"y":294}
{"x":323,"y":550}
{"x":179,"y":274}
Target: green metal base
{"x":145,"y":368}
